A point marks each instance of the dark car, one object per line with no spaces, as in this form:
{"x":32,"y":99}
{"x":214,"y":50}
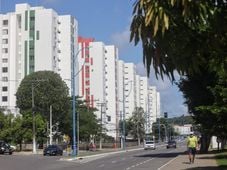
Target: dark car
{"x":171,"y":144}
{"x":53,"y":150}
{"x":5,"y":148}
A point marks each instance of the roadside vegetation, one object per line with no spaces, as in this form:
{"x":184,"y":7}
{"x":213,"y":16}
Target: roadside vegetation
{"x":221,"y":159}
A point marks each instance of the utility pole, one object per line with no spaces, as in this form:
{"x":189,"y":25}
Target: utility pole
{"x":101,"y":112}
{"x":33,"y":114}
{"x":33,"y":122}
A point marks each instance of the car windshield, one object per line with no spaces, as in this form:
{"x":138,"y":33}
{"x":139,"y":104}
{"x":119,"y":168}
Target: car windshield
{"x":149,"y":142}
{"x":171,"y":142}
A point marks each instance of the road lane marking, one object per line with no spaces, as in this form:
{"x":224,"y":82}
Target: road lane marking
{"x":101,"y":165}
{"x":138,"y":164}
{"x":167,"y":163}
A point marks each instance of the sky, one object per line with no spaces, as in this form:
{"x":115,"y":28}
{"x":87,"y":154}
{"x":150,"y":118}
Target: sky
{"x":109,"y":21}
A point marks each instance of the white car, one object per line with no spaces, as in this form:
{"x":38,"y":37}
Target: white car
{"x":149,"y":144}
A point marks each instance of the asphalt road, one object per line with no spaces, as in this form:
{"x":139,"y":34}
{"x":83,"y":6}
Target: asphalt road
{"x":133,"y":160}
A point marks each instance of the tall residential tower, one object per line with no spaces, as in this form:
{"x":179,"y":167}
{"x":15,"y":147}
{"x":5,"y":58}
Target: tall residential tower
{"x":34,"y":39}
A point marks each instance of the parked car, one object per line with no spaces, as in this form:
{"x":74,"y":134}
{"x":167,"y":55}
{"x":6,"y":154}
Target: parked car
{"x":53,"y":150}
{"x":149,"y":144}
{"x":5,"y":148}
{"x":171,"y":144}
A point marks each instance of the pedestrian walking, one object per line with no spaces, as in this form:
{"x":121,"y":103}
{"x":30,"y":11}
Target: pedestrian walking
{"x":192,"y":143}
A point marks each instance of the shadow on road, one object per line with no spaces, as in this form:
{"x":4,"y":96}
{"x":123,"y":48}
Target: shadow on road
{"x":161,"y":155}
{"x":208,"y":168}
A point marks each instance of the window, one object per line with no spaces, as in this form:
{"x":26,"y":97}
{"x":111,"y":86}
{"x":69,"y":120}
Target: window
{"x":4,"y":69}
{"x":5,"y":22}
{"x":5,"y":32}
{"x":4,"y":98}
{"x":5,"y":41}
{"x":5,"y":50}
{"x":37,"y":35}
{"x":108,"y":118}
{"x":4,"y":88}
{"x":4,"y":78}
{"x":5,"y":60}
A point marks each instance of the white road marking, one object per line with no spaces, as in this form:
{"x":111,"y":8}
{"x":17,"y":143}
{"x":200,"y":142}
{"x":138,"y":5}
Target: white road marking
{"x":138,"y":164}
{"x":167,"y":163}
{"x":101,"y":165}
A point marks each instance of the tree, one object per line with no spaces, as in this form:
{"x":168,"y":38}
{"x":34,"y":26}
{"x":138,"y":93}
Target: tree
{"x":179,"y":35}
{"x":49,"y":89}
{"x":88,"y":123}
{"x":18,"y":129}
{"x":196,"y":93}
{"x":185,"y":36}
{"x":137,"y":121}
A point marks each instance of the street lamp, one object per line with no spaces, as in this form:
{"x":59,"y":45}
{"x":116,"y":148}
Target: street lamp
{"x":74,"y":153}
{"x":123,"y":137}
{"x":159,"y":130}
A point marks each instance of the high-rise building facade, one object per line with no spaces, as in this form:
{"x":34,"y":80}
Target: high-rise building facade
{"x":112,"y":108}
{"x":98,"y":81}
{"x":34,"y":39}
{"x":129,"y":88}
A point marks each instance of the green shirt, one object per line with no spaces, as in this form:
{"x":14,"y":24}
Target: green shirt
{"x":192,"y":141}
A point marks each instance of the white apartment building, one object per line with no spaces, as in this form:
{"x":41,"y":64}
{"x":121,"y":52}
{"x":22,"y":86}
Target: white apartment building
{"x":158,"y":100}
{"x":144,"y":103}
{"x":121,"y":103}
{"x":138,"y":104}
{"x":33,"y":39}
{"x":144,"y":93}
{"x":112,"y":109}
{"x":99,"y":81}
{"x":129,"y":88}
{"x":154,"y":103}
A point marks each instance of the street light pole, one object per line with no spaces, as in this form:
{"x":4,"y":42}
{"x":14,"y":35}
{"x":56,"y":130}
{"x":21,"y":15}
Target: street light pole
{"x":123,"y":123}
{"x":73,"y":75}
{"x":51,"y":133}
{"x":74,"y":153}
{"x":159,"y":130}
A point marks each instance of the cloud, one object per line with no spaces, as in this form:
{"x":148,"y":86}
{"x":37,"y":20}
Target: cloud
{"x":121,"y":39}
{"x":159,"y":83}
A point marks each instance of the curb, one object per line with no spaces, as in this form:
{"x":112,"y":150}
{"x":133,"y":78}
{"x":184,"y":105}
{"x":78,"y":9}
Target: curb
{"x":98,"y":154}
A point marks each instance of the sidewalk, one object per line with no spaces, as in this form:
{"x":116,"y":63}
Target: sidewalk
{"x":202,"y":162}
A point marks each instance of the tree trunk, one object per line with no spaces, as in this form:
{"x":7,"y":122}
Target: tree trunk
{"x":223,"y":142}
{"x":205,"y":143}
{"x":21,"y":146}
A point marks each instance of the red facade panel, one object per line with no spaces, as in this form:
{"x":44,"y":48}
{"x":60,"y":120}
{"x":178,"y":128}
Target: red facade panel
{"x":82,"y":81}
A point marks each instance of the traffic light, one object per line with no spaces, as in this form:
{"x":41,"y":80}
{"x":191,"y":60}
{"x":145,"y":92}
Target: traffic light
{"x":165,"y":115}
